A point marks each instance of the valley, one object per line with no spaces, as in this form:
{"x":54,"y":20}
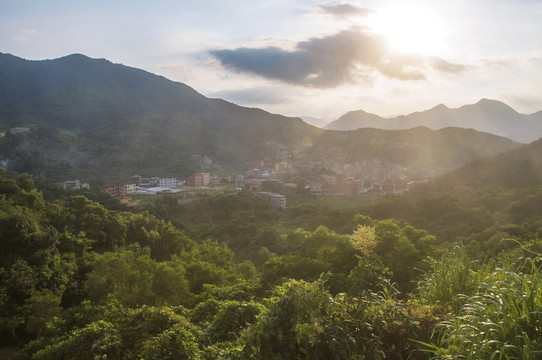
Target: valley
{"x":275,"y":240}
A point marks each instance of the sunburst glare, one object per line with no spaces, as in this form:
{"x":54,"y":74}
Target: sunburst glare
{"x":410,"y":28}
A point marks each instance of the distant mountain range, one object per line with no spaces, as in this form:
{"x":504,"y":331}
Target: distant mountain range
{"x":92,"y":119}
{"x":318,"y":122}
{"x":486,"y":115}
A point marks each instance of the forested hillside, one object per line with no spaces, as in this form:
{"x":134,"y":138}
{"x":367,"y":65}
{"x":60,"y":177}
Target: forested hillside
{"x":94,"y":120}
{"x":92,"y":116}
{"x":415,"y":148}
{"x":450,"y":269}
{"x":514,"y":169}
{"x":79,"y":281}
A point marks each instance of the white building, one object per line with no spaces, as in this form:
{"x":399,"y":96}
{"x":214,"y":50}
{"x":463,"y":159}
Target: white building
{"x":239,"y":180}
{"x":74,"y":184}
{"x":168,"y":183}
{"x":276,"y":200}
{"x":214,"y":181}
{"x":206,"y":179}
{"x":316,"y":188}
{"x":130,"y":189}
{"x":149,"y":182}
{"x":253,"y":184}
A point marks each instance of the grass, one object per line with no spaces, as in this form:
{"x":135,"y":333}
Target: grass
{"x":502,"y":321}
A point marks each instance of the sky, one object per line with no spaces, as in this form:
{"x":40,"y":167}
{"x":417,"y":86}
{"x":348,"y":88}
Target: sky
{"x":303,"y":57}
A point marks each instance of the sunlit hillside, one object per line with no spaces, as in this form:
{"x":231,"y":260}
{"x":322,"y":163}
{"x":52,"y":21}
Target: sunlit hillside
{"x":270,"y":180}
{"x":95,"y":120}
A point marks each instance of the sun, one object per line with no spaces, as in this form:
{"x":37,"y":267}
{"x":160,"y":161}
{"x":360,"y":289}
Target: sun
{"x":409,"y":28}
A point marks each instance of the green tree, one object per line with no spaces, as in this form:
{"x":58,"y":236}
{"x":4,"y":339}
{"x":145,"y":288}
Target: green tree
{"x":170,"y":286}
{"x":104,"y":227}
{"x":128,"y":275}
{"x":164,"y":240}
{"x":177,"y":342}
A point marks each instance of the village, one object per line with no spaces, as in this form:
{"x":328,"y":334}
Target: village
{"x":283,"y":171}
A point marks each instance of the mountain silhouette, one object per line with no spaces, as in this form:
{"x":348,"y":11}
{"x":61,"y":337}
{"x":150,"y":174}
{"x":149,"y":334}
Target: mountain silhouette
{"x":486,"y":115}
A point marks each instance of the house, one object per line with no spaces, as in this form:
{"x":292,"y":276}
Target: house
{"x":130,"y":189}
{"x":239,"y":180}
{"x":135,"y":179}
{"x":352,"y":187}
{"x":278,"y":201}
{"x":149,"y":182}
{"x":253,"y":184}
{"x":393,"y":186}
{"x":74,"y":184}
{"x":168,"y":183}
{"x":316,"y":188}
{"x":115,"y":190}
{"x":206,"y":179}
{"x":195,"y":180}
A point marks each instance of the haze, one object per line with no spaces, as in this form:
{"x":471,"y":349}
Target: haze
{"x":303,"y":58}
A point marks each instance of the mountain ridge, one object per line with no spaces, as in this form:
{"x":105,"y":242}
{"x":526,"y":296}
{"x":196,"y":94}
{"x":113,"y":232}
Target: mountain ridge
{"x":122,"y":106}
{"x":92,"y":118}
{"x":486,"y":115}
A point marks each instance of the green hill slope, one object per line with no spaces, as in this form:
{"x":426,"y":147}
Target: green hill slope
{"x":96,"y":115}
{"x":515,"y":169}
{"x":95,"y":120}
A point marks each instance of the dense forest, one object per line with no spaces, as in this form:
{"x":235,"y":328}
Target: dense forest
{"x":455,"y":274}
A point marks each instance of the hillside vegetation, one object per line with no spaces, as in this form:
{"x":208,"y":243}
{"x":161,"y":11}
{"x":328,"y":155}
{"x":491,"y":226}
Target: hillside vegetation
{"x":94,"y":116}
{"x":79,"y":281}
{"x":95,"y":120}
{"x":450,"y":269}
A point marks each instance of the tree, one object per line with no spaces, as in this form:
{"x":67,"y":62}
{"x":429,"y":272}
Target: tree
{"x":135,"y":279}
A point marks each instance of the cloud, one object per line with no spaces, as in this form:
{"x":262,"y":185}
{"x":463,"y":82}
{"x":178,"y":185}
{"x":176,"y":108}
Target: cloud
{"x":536,"y":62}
{"x":24,"y":35}
{"x":344,"y":10}
{"x":527,"y":101}
{"x":446,"y":66}
{"x":329,"y":61}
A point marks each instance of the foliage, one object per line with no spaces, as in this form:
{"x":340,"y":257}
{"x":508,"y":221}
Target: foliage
{"x":303,"y":321}
{"x":452,"y":279}
{"x":502,"y":320}
{"x":162,"y":238}
{"x":113,"y":331}
{"x":81,"y":281}
{"x":135,"y":279}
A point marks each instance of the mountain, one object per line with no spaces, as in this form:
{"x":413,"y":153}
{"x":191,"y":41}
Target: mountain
{"x":518,"y":168}
{"x":486,"y":115}
{"x":318,"y":122}
{"x":420,"y":149}
{"x":359,"y":119}
{"x":95,"y":120}
{"x":102,"y":113}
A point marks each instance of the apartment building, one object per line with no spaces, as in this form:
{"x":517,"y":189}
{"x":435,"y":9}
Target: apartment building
{"x":195,"y":180}
{"x":115,"y":190}
{"x":168,"y":183}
